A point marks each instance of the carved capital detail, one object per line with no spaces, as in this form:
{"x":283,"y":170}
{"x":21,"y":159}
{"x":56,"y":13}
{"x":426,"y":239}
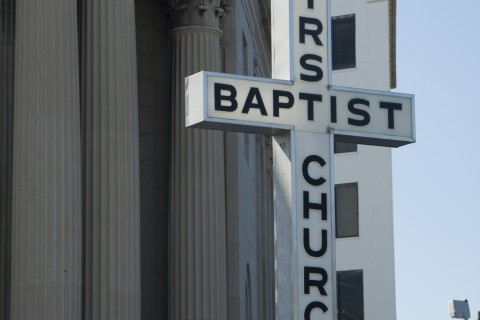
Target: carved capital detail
{"x":196,"y":12}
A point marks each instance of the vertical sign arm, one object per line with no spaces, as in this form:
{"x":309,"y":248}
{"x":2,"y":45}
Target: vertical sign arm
{"x":333,"y":220}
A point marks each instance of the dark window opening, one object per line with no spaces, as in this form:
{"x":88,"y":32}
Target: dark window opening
{"x":345,"y":147}
{"x":346,"y":210}
{"x":350,"y":295}
{"x":343,"y":42}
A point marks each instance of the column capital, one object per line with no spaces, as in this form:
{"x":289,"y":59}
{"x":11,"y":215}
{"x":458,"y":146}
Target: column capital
{"x":196,"y":12}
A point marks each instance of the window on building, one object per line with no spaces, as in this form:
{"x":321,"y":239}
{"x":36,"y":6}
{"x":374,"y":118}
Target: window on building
{"x":350,"y":295}
{"x":245,"y":56}
{"x":346,"y":210}
{"x":344,"y":147}
{"x":343,"y":42}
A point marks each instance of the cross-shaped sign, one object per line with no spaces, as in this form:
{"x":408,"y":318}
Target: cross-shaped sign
{"x":304,"y":107}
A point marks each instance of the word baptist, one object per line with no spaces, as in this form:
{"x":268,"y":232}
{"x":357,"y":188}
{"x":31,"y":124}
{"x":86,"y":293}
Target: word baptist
{"x":226,"y":99}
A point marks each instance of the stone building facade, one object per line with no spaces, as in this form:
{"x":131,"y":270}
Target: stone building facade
{"x":113,"y":210}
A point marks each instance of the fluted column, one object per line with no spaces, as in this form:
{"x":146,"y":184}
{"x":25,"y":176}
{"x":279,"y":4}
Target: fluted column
{"x":198,"y":285}
{"x":112,"y":213}
{"x":46,"y":219}
{"x":7,"y":23}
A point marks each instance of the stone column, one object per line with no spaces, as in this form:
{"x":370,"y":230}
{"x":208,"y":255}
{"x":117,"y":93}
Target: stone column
{"x":7,"y":24}
{"x":112,"y":213}
{"x":46,"y":219}
{"x":198,"y":285}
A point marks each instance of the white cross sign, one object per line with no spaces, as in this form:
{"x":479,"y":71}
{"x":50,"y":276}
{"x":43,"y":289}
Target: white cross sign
{"x":304,"y":113}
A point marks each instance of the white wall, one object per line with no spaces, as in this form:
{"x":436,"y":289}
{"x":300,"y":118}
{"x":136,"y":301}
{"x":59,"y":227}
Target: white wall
{"x":372,"y":37}
{"x":372,"y":251}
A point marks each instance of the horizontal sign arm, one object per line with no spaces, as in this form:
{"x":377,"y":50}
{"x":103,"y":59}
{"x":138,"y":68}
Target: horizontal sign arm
{"x":268,"y":106}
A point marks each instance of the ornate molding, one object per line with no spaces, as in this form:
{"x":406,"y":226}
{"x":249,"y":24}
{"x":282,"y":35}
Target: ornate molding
{"x":196,"y":12}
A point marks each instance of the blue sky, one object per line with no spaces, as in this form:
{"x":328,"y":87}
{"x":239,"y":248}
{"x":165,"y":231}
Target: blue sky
{"x":437,"y":180}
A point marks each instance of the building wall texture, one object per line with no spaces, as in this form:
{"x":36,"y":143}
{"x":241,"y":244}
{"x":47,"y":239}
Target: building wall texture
{"x":371,"y":167}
